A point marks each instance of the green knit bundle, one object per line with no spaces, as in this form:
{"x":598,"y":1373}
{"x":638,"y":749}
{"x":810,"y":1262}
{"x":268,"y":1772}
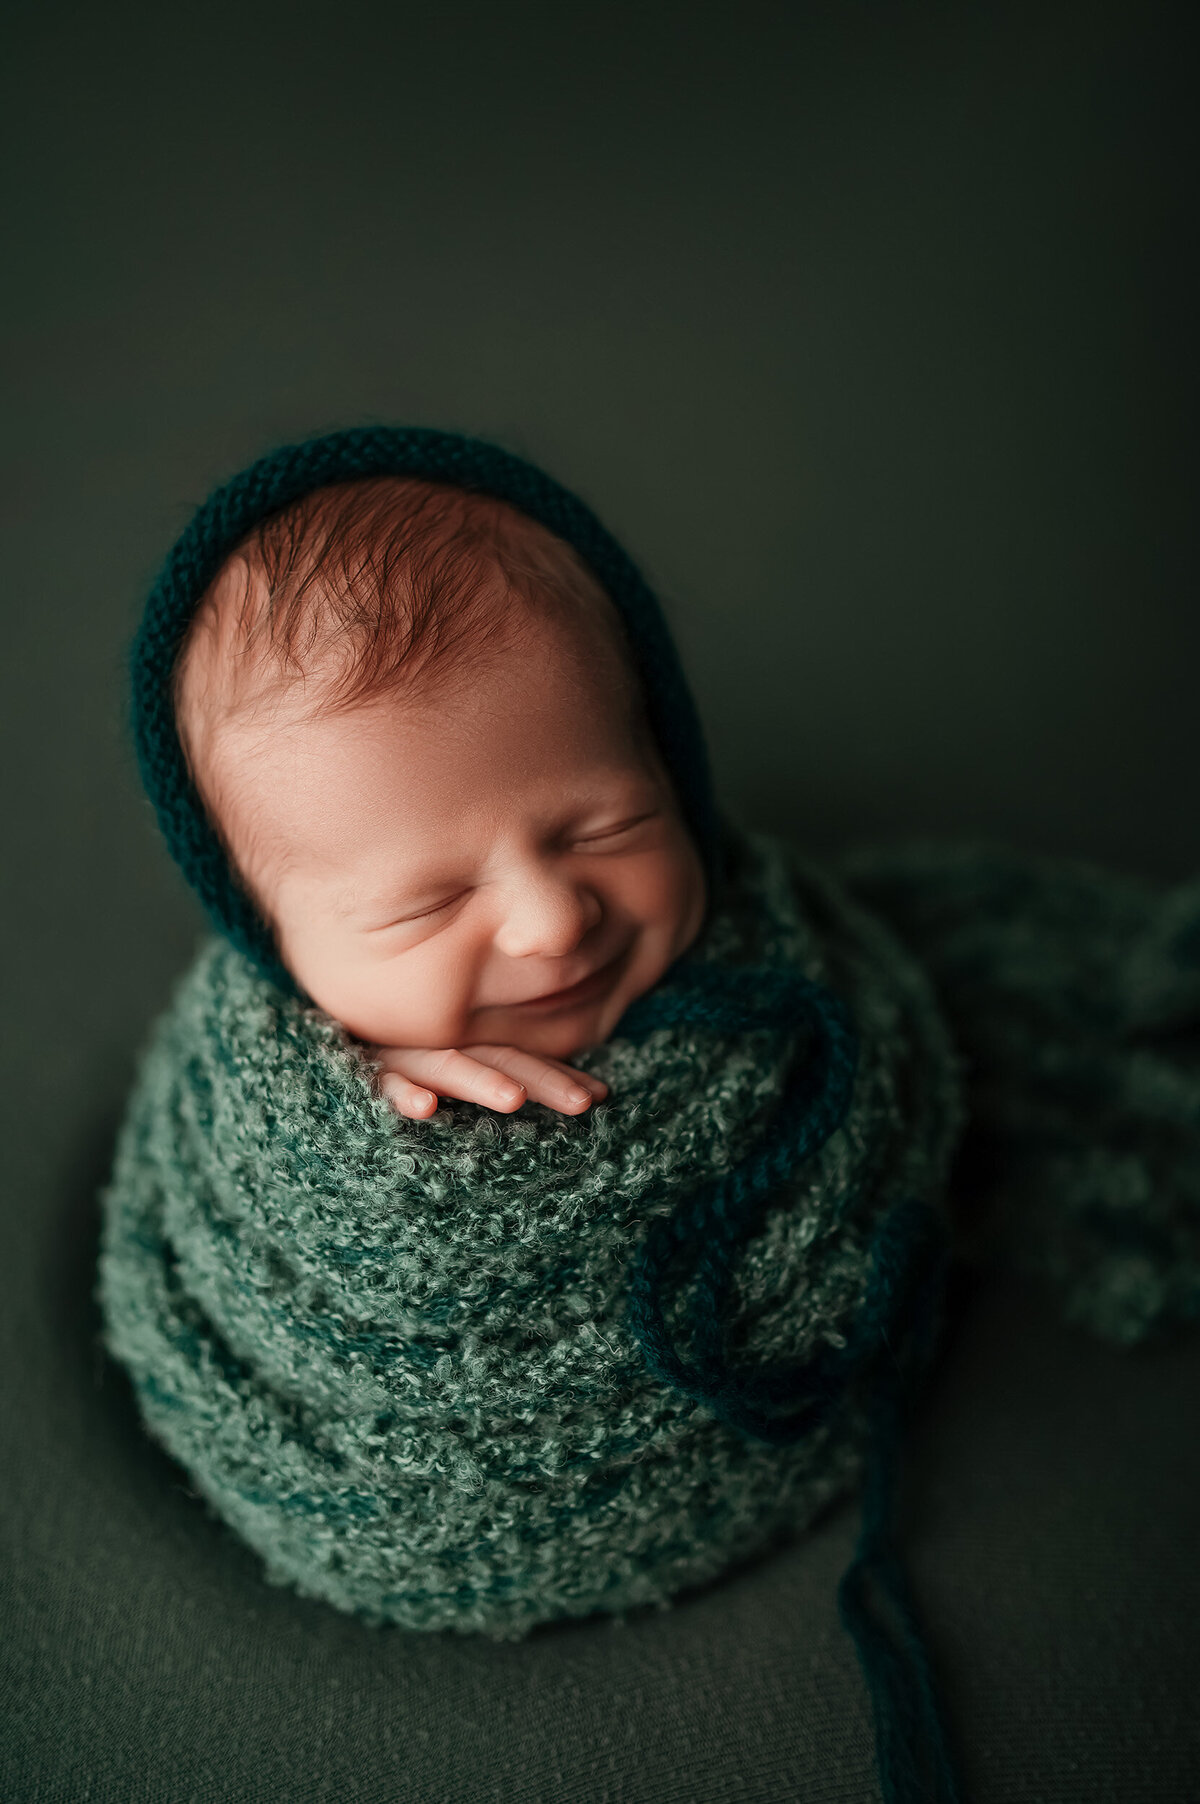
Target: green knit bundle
{"x":394,"y":1355}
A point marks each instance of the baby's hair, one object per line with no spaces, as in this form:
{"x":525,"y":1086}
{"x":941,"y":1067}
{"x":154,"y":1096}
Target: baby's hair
{"x":373,"y":587}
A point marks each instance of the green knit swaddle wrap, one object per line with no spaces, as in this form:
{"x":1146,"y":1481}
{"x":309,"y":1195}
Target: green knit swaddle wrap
{"x":394,"y":1355}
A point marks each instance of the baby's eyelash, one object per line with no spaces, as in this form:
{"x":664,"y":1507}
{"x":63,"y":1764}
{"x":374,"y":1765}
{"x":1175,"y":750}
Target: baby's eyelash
{"x":624,"y":828}
{"x":427,"y":912}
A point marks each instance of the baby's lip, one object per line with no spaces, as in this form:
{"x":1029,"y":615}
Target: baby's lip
{"x":580,"y":991}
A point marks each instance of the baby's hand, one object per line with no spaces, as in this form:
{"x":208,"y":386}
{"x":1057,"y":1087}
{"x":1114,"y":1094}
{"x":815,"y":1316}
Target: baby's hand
{"x":499,"y":1077}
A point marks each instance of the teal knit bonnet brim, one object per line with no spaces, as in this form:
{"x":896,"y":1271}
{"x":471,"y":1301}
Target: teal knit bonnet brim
{"x":285,"y":476}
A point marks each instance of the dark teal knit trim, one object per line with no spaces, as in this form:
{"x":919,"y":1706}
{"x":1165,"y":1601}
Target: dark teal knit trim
{"x":892,"y":1341}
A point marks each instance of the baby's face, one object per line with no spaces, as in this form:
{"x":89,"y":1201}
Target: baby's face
{"x":450,"y":864}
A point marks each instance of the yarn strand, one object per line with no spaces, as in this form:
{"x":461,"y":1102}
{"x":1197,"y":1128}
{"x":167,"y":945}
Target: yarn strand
{"x":912,"y":1749}
{"x":906,"y":1284}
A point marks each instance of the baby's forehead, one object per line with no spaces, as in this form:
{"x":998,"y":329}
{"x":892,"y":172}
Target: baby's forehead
{"x":537,"y":737}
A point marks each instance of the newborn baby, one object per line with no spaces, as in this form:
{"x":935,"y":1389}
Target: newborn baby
{"x":480,"y":1375}
{"x":418,"y":730}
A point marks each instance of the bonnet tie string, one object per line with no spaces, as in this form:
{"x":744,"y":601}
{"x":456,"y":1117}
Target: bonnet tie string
{"x":892,"y":1341}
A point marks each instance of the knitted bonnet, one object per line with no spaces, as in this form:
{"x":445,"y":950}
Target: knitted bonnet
{"x":281,"y":478}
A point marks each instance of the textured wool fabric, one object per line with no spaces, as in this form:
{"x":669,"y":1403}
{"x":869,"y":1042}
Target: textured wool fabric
{"x":395,"y":1354}
{"x":1073,"y":996}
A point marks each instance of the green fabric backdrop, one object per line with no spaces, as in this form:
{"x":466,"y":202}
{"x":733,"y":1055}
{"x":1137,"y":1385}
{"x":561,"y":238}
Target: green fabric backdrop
{"x":872,"y":338}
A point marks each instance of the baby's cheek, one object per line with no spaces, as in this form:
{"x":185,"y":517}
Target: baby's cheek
{"x":662,"y":887}
{"x":389,"y":1004}
{"x":428,"y":1020}
{"x":685,"y":893}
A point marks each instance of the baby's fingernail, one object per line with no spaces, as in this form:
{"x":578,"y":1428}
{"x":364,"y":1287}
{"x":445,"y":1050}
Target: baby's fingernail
{"x":576,"y":1095}
{"x":511,"y":1092}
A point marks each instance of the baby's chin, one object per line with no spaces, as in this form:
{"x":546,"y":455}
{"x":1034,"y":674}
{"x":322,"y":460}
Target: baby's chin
{"x":566,"y":1038}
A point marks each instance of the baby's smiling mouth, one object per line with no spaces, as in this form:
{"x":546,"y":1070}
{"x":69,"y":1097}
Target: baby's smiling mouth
{"x":587,"y":989}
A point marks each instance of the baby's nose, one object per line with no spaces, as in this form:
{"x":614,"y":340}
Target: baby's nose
{"x":546,"y":917}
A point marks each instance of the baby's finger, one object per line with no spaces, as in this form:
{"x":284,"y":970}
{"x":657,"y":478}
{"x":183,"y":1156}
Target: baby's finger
{"x":596,"y":1085}
{"x":407,"y":1098}
{"x":449,"y":1072}
{"x":545,"y":1080}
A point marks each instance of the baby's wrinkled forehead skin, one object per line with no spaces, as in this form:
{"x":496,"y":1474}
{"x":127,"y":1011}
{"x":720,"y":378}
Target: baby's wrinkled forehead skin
{"x":436,"y":860}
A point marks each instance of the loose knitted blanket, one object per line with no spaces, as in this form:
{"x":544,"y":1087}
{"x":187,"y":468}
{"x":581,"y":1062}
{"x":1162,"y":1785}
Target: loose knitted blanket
{"x":485,"y":1371}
